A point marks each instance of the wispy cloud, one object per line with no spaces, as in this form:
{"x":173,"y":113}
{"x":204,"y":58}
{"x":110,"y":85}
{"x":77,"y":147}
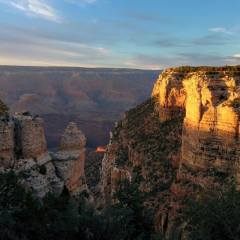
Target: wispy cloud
{"x":220,"y":30}
{"x":19,"y":47}
{"x":237,"y":55}
{"x":193,"y":59}
{"x":38,"y":8}
{"x":81,"y":1}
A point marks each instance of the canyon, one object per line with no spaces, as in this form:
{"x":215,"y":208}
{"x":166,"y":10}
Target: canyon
{"x":182,"y":140}
{"x":94,"y":98}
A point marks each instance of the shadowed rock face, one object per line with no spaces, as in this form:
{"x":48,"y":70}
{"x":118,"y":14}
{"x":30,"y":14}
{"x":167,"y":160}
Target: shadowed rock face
{"x":201,"y":108}
{"x":70,"y":160}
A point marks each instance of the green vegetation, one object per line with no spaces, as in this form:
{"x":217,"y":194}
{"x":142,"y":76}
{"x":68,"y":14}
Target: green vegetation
{"x":23,"y":217}
{"x":157,"y":142}
{"x":190,"y":69}
{"x":130,"y":206}
{"x":3,"y":107}
{"x":215,"y":214}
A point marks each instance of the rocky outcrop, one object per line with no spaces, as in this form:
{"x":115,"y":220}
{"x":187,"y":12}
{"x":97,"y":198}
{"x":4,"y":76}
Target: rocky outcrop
{"x":170,"y":94}
{"x":30,"y":137}
{"x":23,"y":149}
{"x":186,"y":139}
{"x":70,"y":159}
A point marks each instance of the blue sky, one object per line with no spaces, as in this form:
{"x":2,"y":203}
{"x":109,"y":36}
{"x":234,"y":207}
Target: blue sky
{"x":148,"y":34}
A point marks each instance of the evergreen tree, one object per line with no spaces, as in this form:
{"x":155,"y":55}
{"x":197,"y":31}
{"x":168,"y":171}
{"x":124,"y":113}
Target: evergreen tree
{"x":215,"y":214}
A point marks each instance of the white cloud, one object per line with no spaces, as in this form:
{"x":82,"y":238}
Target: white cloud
{"x":236,"y":55}
{"x":37,"y":8}
{"x":220,"y":30}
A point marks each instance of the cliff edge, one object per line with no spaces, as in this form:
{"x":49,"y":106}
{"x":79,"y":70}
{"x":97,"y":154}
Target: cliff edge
{"x":183,"y":139}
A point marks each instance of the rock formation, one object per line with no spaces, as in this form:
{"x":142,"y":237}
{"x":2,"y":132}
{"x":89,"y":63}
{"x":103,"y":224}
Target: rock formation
{"x":185,"y":138}
{"x":23,"y":149}
{"x":70,"y":159}
{"x":210,"y":100}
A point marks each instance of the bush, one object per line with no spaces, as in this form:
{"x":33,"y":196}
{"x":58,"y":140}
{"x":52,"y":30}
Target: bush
{"x":23,"y":217}
{"x":3,"y":107}
{"x":43,"y":169}
{"x":215,"y":214}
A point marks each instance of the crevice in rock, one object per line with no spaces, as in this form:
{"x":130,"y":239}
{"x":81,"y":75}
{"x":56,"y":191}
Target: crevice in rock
{"x":17,"y":139}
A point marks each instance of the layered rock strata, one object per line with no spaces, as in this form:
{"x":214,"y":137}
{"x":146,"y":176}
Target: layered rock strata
{"x":211,"y":124}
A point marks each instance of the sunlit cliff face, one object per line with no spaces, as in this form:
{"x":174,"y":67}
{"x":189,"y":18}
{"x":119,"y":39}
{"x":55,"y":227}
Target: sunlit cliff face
{"x":209,"y":99}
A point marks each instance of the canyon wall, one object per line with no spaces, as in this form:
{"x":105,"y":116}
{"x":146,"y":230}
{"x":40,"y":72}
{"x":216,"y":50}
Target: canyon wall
{"x":210,"y":99}
{"x":184,"y":139}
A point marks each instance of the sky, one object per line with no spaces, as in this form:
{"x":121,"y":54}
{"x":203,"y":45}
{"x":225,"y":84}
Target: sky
{"x":146,"y":34}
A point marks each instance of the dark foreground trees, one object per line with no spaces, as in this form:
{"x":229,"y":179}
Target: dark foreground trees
{"x":23,"y":217}
{"x":215,"y":215}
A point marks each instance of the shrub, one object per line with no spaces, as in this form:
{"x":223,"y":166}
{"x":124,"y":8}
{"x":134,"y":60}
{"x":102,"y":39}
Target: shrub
{"x":215,"y":214}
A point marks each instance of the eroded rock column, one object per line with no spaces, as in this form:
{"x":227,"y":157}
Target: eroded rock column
{"x":70,"y":159}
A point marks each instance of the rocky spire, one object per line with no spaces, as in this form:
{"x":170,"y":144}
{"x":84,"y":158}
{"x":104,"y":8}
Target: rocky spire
{"x":70,"y":159}
{"x":72,"y":139}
